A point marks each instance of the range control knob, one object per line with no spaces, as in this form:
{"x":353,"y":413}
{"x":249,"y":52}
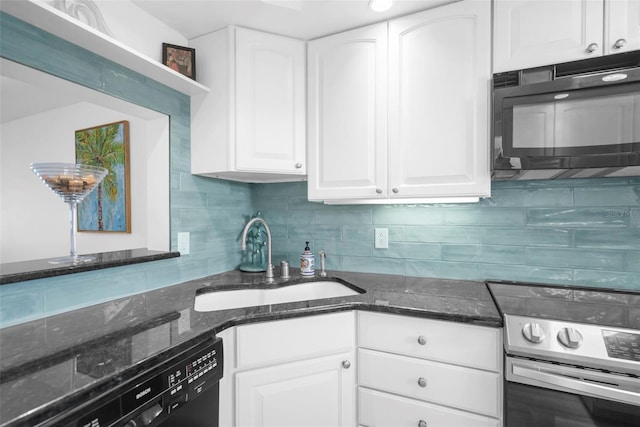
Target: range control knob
{"x":570,"y":337}
{"x":533,"y":332}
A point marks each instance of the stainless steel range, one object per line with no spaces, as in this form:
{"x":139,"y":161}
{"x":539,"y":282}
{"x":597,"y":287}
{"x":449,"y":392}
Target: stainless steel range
{"x":572,"y":355}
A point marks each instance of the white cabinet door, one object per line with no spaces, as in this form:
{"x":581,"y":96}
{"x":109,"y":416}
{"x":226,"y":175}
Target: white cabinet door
{"x":439,"y":73}
{"x":347,"y":114}
{"x":622,"y":26}
{"x":270,"y":121}
{"x":318,"y":392}
{"x":251,"y":126}
{"x":531,"y":33}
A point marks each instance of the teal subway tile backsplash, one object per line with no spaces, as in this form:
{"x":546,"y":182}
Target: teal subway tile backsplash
{"x":623,"y":195}
{"x":623,"y":239}
{"x":576,"y":258}
{"x":526,"y":236}
{"x":483,"y":254}
{"x":443,"y":234}
{"x":373,"y":265}
{"x":524,"y":197}
{"x":575,"y":217}
{"x":528,"y":231}
{"x":407,"y":215}
{"x":477,"y":215}
{"x":633,"y":261}
{"x":582,"y":232}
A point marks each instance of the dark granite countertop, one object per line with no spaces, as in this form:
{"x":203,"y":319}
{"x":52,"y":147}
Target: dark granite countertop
{"x":12,"y":272}
{"x":51,"y":365}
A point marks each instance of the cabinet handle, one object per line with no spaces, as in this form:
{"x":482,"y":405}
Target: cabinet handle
{"x":592,"y":47}
{"x":422,"y":340}
{"x":379,"y":190}
{"x":298,"y":165}
{"x":346,"y":364}
{"x":422,"y":382}
{"x":395,"y":190}
{"x":422,"y":423}
{"x":619,"y":43}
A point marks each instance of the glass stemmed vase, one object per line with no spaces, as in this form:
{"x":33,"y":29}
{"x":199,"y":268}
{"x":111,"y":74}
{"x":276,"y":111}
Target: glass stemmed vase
{"x":72,"y":183}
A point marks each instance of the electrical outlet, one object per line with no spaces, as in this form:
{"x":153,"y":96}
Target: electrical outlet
{"x":183,"y":243}
{"x":381,"y":238}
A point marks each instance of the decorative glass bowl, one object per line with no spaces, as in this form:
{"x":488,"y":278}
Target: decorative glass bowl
{"x":72,"y":183}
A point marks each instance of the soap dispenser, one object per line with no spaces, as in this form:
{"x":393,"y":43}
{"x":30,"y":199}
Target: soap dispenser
{"x":307,"y":262}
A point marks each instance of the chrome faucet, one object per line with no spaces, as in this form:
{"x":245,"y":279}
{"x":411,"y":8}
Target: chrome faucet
{"x":243,"y":245}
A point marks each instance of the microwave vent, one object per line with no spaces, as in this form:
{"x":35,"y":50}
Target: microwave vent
{"x":607,"y":63}
{"x":506,"y":79}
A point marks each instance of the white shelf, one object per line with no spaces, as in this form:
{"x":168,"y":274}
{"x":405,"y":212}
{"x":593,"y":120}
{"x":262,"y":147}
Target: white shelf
{"x":55,"y":22}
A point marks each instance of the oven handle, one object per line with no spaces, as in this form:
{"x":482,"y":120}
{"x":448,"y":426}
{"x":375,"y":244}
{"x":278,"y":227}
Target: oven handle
{"x":575,"y":380}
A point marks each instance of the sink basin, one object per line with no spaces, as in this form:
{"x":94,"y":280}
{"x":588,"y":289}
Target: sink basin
{"x":238,"y":298}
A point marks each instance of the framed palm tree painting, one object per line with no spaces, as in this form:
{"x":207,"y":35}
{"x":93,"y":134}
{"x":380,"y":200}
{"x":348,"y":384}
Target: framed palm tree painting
{"x":108,"y":208}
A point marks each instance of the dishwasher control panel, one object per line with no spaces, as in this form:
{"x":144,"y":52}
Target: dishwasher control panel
{"x":158,"y":392}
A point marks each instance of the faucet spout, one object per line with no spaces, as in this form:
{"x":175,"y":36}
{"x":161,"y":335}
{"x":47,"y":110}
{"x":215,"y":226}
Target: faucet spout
{"x":243,"y":245}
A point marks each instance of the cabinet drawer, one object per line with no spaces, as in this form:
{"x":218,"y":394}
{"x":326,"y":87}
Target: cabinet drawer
{"x":449,"y":342}
{"x":456,"y":386}
{"x":378,"y":409}
{"x":294,"y":339}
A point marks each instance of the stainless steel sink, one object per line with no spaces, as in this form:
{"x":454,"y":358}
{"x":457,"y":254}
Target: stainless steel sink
{"x":238,"y":298}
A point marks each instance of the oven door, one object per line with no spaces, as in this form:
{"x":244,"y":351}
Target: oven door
{"x":540,"y":394}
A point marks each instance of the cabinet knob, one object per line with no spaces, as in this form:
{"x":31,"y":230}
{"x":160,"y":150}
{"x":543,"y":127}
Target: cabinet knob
{"x":592,"y":47}
{"x":422,"y":382}
{"x":346,"y":364}
{"x":395,"y":190}
{"x":379,"y":190}
{"x":298,"y":165}
{"x":422,"y":423}
{"x":422,"y":340}
{"x":619,"y":43}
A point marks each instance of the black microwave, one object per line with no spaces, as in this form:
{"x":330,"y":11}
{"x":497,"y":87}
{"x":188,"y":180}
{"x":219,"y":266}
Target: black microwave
{"x":573,"y":120}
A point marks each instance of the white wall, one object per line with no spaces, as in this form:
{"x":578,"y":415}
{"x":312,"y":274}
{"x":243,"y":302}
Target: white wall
{"x":35,"y":222}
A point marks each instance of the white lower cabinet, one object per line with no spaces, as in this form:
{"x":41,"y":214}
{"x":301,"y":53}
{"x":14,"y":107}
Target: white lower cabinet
{"x":401,"y":371}
{"x":317,"y":392}
{"x":423,"y":372}
{"x":295,"y":372}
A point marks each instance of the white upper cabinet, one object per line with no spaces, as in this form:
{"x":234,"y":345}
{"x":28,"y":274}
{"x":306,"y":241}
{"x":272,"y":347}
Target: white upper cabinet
{"x":534,"y":33}
{"x":418,"y":132}
{"x":251,"y":127}
{"x":347,"y":114}
{"x":439,"y":73}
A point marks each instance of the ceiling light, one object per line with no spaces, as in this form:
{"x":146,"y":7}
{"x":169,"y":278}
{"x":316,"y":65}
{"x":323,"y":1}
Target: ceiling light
{"x":380,"y":5}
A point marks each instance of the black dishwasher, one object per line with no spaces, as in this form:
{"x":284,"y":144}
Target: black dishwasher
{"x":182,"y":391}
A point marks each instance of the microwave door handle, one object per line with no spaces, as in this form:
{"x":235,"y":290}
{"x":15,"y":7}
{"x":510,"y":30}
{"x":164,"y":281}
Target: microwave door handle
{"x":600,"y":390}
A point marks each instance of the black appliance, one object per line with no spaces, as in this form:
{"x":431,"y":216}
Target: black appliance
{"x":561,"y":372}
{"x":181,"y":391}
{"x":573,"y":120}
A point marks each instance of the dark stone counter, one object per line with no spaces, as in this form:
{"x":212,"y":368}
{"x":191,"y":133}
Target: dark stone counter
{"x":12,"y":272}
{"x":52,"y":365}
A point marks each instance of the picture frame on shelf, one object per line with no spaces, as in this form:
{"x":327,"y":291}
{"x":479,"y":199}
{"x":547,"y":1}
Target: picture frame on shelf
{"x":180,"y":58}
